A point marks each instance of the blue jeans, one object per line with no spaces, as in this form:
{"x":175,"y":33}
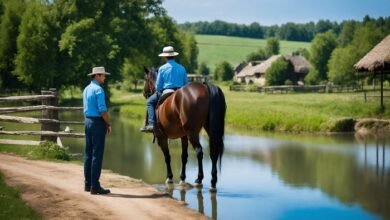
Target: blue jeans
{"x":151,"y":107}
{"x":95,"y":134}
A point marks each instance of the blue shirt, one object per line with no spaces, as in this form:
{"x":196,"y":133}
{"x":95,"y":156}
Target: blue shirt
{"x":93,"y":100}
{"x":171,"y":75}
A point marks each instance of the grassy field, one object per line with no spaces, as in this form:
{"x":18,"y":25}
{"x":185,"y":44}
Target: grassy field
{"x":214,"y":49}
{"x":312,"y":112}
{"x":12,"y":206}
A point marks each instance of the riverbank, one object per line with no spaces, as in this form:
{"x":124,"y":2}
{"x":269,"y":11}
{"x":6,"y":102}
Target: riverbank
{"x":312,"y":112}
{"x":55,"y":190}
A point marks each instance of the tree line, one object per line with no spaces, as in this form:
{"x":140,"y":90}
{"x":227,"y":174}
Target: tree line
{"x":332,"y":56}
{"x":55,"y":43}
{"x":289,"y":31}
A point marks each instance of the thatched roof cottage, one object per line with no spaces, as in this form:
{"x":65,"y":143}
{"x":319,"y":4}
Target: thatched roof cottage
{"x":377,"y":61}
{"x":254,"y":72}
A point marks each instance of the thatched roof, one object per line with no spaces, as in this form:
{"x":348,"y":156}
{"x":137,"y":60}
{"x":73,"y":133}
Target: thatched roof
{"x":377,"y":59}
{"x":239,"y":67}
{"x":300,"y":63}
{"x":257,"y":67}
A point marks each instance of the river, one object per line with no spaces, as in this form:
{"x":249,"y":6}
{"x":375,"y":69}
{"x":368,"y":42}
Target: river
{"x":264,"y":175}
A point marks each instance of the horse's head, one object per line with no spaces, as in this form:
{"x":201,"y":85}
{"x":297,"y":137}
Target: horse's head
{"x":150,"y":82}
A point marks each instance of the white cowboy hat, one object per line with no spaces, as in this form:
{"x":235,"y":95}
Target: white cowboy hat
{"x":168,"y":52}
{"x":98,"y":70}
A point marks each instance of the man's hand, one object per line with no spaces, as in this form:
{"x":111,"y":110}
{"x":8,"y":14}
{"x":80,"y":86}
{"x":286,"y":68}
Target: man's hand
{"x":109,"y":129}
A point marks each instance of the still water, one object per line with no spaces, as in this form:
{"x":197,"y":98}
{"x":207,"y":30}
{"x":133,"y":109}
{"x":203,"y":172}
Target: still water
{"x":264,"y":176}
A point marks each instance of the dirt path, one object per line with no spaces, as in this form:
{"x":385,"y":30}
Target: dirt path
{"x":56,"y":191}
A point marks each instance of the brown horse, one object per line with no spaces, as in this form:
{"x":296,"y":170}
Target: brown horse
{"x":182,"y":115}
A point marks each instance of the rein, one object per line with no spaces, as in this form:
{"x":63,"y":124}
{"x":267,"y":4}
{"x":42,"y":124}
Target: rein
{"x":150,"y":84}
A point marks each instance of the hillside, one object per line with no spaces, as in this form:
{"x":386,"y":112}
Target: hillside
{"x":214,"y":49}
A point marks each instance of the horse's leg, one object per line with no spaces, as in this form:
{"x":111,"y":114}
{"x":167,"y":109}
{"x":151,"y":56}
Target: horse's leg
{"x":184,"y":157}
{"x":194,"y":139}
{"x":163,"y":143}
{"x":214,"y":173}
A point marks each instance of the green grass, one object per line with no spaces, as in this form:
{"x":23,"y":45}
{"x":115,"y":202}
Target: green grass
{"x":213,"y":48}
{"x":44,"y":151}
{"x":12,"y":206}
{"x":297,"y":112}
{"x":312,"y":112}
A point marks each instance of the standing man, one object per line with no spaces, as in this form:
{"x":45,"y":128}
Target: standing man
{"x":97,"y":125}
{"x":171,"y":75}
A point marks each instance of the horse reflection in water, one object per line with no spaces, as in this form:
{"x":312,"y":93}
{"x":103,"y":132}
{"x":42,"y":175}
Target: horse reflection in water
{"x":199,"y":195}
{"x":182,"y":115}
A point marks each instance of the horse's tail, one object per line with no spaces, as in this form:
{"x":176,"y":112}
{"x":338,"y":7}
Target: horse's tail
{"x":217,"y":111}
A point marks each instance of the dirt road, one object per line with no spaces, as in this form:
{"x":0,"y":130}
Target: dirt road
{"x":56,"y":191}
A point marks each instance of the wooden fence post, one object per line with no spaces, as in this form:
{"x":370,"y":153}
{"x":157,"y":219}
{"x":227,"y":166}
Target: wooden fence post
{"x":50,"y":114}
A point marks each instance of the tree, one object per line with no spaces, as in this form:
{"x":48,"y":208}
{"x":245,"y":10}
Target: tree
{"x":313,"y":77}
{"x":347,"y":32}
{"x":303,"y":52}
{"x":278,"y":73}
{"x":272,"y":46}
{"x":9,"y":31}
{"x":320,"y":51}
{"x":323,"y":26}
{"x":223,"y":71}
{"x":189,"y":56}
{"x":203,"y":69}
{"x":36,"y":58}
{"x":257,"y":55}
{"x":341,"y":70}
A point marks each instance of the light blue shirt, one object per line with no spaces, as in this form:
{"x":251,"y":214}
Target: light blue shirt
{"x":171,"y":75}
{"x":93,"y":100}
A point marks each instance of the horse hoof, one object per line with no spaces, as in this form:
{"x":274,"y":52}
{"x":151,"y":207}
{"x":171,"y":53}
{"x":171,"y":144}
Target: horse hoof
{"x":182,"y":183}
{"x":198,"y":185}
{"x":169,"y":181}
{"x":213,"y":190}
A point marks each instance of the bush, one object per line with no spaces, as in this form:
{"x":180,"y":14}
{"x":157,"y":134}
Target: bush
{"x":277,"y":73}
{"x":340,"y":125}
{"x":223,"y":71}
{"x":50,"y":150}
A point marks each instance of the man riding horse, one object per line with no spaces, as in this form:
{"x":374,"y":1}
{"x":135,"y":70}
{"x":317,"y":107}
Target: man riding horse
{"x":171,"y":75}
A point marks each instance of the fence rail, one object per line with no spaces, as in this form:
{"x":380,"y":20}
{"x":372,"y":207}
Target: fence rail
{"x":296,"y":88}
{"x":50,"y":123}
{"x":35,"y":108}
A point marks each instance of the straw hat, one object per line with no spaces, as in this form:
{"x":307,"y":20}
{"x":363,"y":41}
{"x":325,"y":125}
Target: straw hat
{"x":168,"y":52}
{"x":98,"y":70}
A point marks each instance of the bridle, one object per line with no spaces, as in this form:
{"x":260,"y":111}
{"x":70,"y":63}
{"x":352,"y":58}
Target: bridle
{"x":150,"y":83}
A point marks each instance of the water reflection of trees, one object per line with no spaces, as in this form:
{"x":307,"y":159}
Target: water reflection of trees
{"x":337,"y":174}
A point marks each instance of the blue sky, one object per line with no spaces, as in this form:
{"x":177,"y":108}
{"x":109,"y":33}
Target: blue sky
{"x":269,"y":12}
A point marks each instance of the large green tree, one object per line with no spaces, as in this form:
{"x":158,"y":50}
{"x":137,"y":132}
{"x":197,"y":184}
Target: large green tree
{"x":341,"y":70}
{"x":36,"y":57}
{"x":320,"y":52}
{"x":272,"y":46}
{"x":9,"y":31}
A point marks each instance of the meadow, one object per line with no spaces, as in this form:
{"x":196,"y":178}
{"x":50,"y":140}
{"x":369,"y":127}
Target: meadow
{"x":303,"y":112}
{"x":214,"y":49}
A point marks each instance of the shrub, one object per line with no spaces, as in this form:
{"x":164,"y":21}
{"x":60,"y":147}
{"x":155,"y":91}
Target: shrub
{"x":50,"y":150}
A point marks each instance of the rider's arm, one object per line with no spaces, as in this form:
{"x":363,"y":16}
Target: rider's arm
{"x":159,"y":81}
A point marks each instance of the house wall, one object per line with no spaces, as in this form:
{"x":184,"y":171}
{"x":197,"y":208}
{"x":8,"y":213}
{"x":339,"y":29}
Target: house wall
{"x":257,"y":81}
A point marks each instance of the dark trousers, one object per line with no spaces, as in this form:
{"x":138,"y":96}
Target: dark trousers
{"x":95,"y":133}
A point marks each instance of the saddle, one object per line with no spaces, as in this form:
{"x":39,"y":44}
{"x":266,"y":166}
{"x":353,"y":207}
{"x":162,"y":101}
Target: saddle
{"x":165,"y":94}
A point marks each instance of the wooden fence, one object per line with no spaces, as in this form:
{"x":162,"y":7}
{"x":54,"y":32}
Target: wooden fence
{"x":50,"y":123}
{"x":296,"y":88}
